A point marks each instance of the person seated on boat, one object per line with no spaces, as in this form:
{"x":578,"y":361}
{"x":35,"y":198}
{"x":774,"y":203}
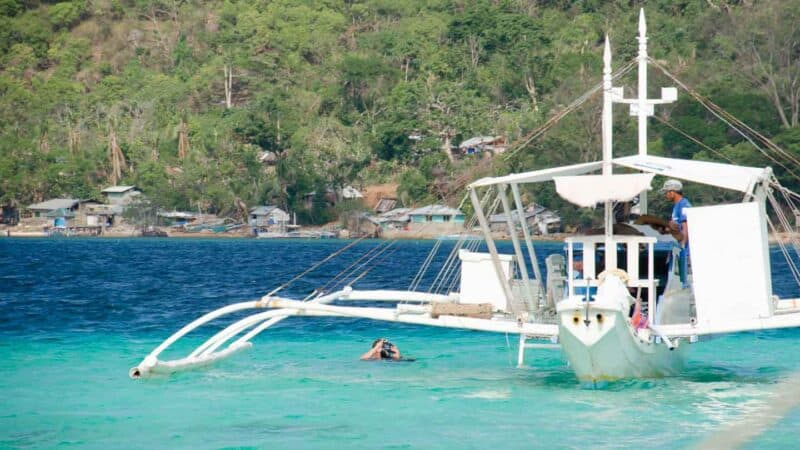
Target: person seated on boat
{"x":577,"y":274}
{"x":577,"y":267}
{"x":382,"y":349}
{"x":673,"y":192}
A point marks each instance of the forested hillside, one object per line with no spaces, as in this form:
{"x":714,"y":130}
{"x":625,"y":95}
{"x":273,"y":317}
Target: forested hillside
{"x":220,"y":104}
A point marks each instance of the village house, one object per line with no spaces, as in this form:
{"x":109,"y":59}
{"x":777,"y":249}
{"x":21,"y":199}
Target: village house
{"x":393,"y":223}
{"x":350,"y":193}
{"x":121,"y":195}
{"x":361,"y":224}
{"x":393,"y":220}
{"x":176,"y":219}
{"x":482,"y":144}
{"x":436,"y":219}
{"x":41,"y":209}
{"x":539,"y":219}
{"x":79,"y":216}
{"x":385,"y":204}
{"x":100,"y":214}
{"x":331,"y":197}
{"x":268,"y":217}
{"x":328,"y":199}
{"x":9,"y":214}
{"x":75,"y":214}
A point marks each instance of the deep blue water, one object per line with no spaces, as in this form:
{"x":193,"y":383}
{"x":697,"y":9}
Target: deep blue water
{"x":76,"y":314}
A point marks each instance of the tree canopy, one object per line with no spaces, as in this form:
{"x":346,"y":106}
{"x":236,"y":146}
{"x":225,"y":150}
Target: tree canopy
{"x":213,"y":104}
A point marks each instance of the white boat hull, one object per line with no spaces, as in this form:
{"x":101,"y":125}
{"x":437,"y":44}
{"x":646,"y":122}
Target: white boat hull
{"x":602,"y":345}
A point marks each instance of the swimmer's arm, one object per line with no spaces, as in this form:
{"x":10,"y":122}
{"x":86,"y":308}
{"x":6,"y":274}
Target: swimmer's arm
{"x":373,"y":353}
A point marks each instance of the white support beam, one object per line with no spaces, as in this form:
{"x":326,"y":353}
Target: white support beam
{"x":537,"y":273}
{"x":538,"y":330}
{"x":512,"y":231}
{"x":487,"y":234}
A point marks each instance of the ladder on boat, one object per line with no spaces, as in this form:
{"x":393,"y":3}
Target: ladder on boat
{"x":523,"y":344}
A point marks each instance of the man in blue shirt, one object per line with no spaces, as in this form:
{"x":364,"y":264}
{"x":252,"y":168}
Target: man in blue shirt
{"x":673,"y":191}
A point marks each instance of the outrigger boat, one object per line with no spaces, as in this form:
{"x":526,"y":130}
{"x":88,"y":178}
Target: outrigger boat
{"x":587,"y":315}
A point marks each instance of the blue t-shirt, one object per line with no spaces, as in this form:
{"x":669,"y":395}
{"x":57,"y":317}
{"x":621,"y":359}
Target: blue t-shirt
{"x":679,"y":212}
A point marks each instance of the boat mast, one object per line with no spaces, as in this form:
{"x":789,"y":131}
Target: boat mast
{"x":643,"y":107}
{"x":642,"y":91}
{"x":608,"y":102}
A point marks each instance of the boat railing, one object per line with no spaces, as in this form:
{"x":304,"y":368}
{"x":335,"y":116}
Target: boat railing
{"x":630,"y":246}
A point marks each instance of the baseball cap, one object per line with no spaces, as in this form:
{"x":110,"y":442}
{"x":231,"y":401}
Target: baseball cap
{"x":672,"y":185}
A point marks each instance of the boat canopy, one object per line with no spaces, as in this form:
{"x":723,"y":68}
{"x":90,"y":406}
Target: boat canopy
{"x":589,"y":190}
{"x":727,"y":176}
{"x":537,"y":176}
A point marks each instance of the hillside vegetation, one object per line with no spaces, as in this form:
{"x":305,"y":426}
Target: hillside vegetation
{"x":220,"y":105}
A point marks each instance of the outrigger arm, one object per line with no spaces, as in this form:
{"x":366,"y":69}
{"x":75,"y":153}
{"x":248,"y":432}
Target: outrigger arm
{"x":281,"y":308}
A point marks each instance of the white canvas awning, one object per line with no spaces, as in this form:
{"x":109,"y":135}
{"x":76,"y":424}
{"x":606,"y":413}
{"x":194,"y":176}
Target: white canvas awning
{"x":728,"y":176}
{"x":589,"y":190}
{"x":538,"y":176}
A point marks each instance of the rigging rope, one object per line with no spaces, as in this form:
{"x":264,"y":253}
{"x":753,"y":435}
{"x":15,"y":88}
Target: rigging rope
{"x":305,"y":272}
{"x":782,"y":246}
{"x":424,"y":267}
{"x":428,"y":259}
{"x":752,"y":136}
{"x":471,"y":247}
{"x":784,"y":222}
{"x":735,"y":123}
{"x":571,"y":107}
{"x":456,"y":247}
{"x":695,"y":140}
{"x":453,"y":263}
{"x":372,"y":259}
{"x":346,"y":272}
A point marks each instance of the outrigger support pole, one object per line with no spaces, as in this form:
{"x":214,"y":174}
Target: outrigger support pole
{"x":207,"y":352}
{"x":531,"y":300}
{"x":487,"y":233}
{"x":526,"y":233}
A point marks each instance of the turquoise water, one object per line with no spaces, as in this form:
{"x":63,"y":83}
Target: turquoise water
{"x":77,"y":314}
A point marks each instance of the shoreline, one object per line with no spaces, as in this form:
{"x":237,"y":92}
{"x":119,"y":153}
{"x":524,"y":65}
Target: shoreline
{"x":500,"y":237}
{"x":411,"y":236}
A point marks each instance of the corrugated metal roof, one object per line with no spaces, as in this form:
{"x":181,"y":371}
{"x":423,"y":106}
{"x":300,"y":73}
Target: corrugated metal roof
{"x":385,"y":204}
{"x":349,"y":192}
{"x":55,"y":203}
{"x":532,"y":210}
{"x":372,"y":219}
{"x":478,"y":140}
{"x":263,"y":210}
{"x":396,"y":215}
{"x":117,"y":189}
{"x":432,"y":210}
{"x":176,"y":215}
{"x":495,"y":218}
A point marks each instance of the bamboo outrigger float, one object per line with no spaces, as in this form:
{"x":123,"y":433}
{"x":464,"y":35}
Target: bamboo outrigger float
{"x":586,"y":315}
